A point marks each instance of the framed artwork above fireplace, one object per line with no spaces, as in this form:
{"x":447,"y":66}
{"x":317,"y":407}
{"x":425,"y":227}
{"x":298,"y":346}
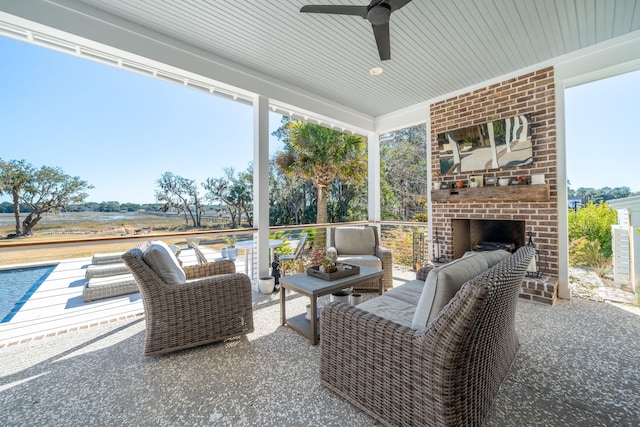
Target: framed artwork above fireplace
{"x":497,"y":144}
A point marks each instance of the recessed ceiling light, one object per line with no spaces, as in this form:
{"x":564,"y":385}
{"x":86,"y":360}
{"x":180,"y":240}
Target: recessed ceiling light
{"x":376,"y":71}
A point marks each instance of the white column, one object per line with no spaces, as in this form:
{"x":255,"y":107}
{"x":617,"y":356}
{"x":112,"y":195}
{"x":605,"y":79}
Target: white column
{"x":261,"y":182}
{"x":373,"y":154}
{"x":563,"y":215}
{"x":634,"y":270}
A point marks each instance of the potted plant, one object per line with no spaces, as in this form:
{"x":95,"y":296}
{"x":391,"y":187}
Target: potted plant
{"x":459,"y":184}
{"x":266,"y":284}
{"x":230,"y":251}
{"x":327,"y":265}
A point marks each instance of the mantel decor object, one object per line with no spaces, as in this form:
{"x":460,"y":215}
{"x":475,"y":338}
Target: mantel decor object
{"x":537,"y":179}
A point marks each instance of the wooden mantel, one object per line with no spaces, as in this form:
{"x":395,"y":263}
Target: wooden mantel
{"x":508,"y":193}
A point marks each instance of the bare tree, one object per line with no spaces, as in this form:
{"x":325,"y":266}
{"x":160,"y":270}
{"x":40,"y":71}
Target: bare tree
{"x":14,"y":175}
{"x":235,"y":192}
{"x":182,"y":195}
{"x":50,"y":190}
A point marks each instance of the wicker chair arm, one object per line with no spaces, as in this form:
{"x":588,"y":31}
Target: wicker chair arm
{"x":423,"y":272}
{"x":209,"y":269}
{"x":386,"y":257}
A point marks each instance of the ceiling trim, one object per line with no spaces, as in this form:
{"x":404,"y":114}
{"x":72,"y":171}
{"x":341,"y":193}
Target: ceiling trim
{"x":613,"y":57}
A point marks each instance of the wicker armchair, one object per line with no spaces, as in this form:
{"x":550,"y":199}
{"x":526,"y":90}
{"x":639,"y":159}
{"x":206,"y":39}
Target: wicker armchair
{"x":214,"y":304}
{"x":374,"y":256}
{"x":447,"y":374}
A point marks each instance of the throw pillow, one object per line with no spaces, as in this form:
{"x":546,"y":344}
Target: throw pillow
{"x":160,"y":258}
{"x":442,"y":284}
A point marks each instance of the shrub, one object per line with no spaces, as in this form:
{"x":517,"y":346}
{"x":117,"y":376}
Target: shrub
{"x":421,"y":217}
{"x":400,"y":241}
{"x":594,"y":223}
{"x":588,"y":253}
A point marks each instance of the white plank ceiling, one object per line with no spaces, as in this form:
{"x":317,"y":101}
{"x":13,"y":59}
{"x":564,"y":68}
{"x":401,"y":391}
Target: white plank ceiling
{"x":437,"y":46}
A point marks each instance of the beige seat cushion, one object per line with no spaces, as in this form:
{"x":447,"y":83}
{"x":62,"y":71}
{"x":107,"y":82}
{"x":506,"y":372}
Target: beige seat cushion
{"x":409,"y":292}
{"x":441,"y":285}
{"x":160,"y":258}
{"x":361,"y":260}
{"x":355,"y":241}
{"x":390,"y":308}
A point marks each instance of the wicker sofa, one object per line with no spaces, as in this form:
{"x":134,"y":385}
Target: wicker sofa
{"x":446,"y":371}
{"x":207,"y":303}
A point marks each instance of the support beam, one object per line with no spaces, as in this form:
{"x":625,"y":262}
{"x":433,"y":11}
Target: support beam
{"x":261,"y":182}
{"x":563,"y":215}
{"x":373,"y":155}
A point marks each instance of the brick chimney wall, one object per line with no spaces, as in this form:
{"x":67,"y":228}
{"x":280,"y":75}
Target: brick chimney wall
{"x":533,"y":94}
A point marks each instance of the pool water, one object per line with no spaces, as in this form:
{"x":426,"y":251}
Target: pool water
{"x":17,"y":286}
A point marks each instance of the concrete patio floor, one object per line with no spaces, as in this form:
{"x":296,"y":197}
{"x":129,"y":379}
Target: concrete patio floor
{"x":577,"y":365}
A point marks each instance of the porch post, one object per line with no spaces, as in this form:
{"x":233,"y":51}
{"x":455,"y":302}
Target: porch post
{"x":261,"y":182}
{"x":373,"y":155}
{"x":563,"y":213}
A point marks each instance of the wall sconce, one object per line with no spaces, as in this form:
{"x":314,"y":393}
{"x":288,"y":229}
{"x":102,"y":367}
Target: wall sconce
{"x":539,"y":258}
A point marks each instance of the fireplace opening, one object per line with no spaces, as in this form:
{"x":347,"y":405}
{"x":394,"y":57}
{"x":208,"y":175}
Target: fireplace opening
{"x":483,"y":235}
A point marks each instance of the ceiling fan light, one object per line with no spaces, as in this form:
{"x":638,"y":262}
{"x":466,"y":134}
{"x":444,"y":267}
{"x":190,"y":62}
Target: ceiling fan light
{"x":376,"y":71}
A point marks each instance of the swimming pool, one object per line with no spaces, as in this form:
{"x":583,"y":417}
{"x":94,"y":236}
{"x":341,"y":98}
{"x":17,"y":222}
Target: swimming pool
{"x":17,"y":286}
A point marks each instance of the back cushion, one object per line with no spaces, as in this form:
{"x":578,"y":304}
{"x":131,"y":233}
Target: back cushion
{"x":442,"y":284}
{"x":494,"y":257}
{"x":355,"y":241}
{"x":160,"y":258}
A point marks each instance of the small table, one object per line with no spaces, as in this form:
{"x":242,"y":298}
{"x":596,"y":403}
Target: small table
{"x":247,"y":245}
{"x":314,"y":287}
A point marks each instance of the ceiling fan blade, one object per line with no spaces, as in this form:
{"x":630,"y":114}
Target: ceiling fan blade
{"x":397,"y":4}
{"x":336,"y":10}
{"x":382,"y":40}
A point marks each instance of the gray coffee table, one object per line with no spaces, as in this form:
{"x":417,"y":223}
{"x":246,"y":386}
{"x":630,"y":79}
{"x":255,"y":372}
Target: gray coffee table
{"x":314,"y":288}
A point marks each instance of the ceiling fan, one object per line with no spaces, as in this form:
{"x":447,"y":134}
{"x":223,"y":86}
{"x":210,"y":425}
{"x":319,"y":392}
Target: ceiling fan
{"x":377,"y":13}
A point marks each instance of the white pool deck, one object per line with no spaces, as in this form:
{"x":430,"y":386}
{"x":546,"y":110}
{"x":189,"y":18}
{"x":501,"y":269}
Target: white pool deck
{"x":57,"y":306}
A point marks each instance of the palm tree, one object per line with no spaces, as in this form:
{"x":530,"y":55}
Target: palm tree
{"x":321,"y":155}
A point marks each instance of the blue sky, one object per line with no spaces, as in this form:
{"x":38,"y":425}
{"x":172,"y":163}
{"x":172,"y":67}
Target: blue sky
{"x":603,"y":146}
{"x":120,"y":131}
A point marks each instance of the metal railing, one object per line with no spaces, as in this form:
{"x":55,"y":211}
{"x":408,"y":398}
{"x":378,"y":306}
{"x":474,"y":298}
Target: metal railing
{"x":24,"y":251}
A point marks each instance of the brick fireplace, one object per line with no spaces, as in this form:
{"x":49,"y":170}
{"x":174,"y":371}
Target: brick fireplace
{"x":532,"y":209}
